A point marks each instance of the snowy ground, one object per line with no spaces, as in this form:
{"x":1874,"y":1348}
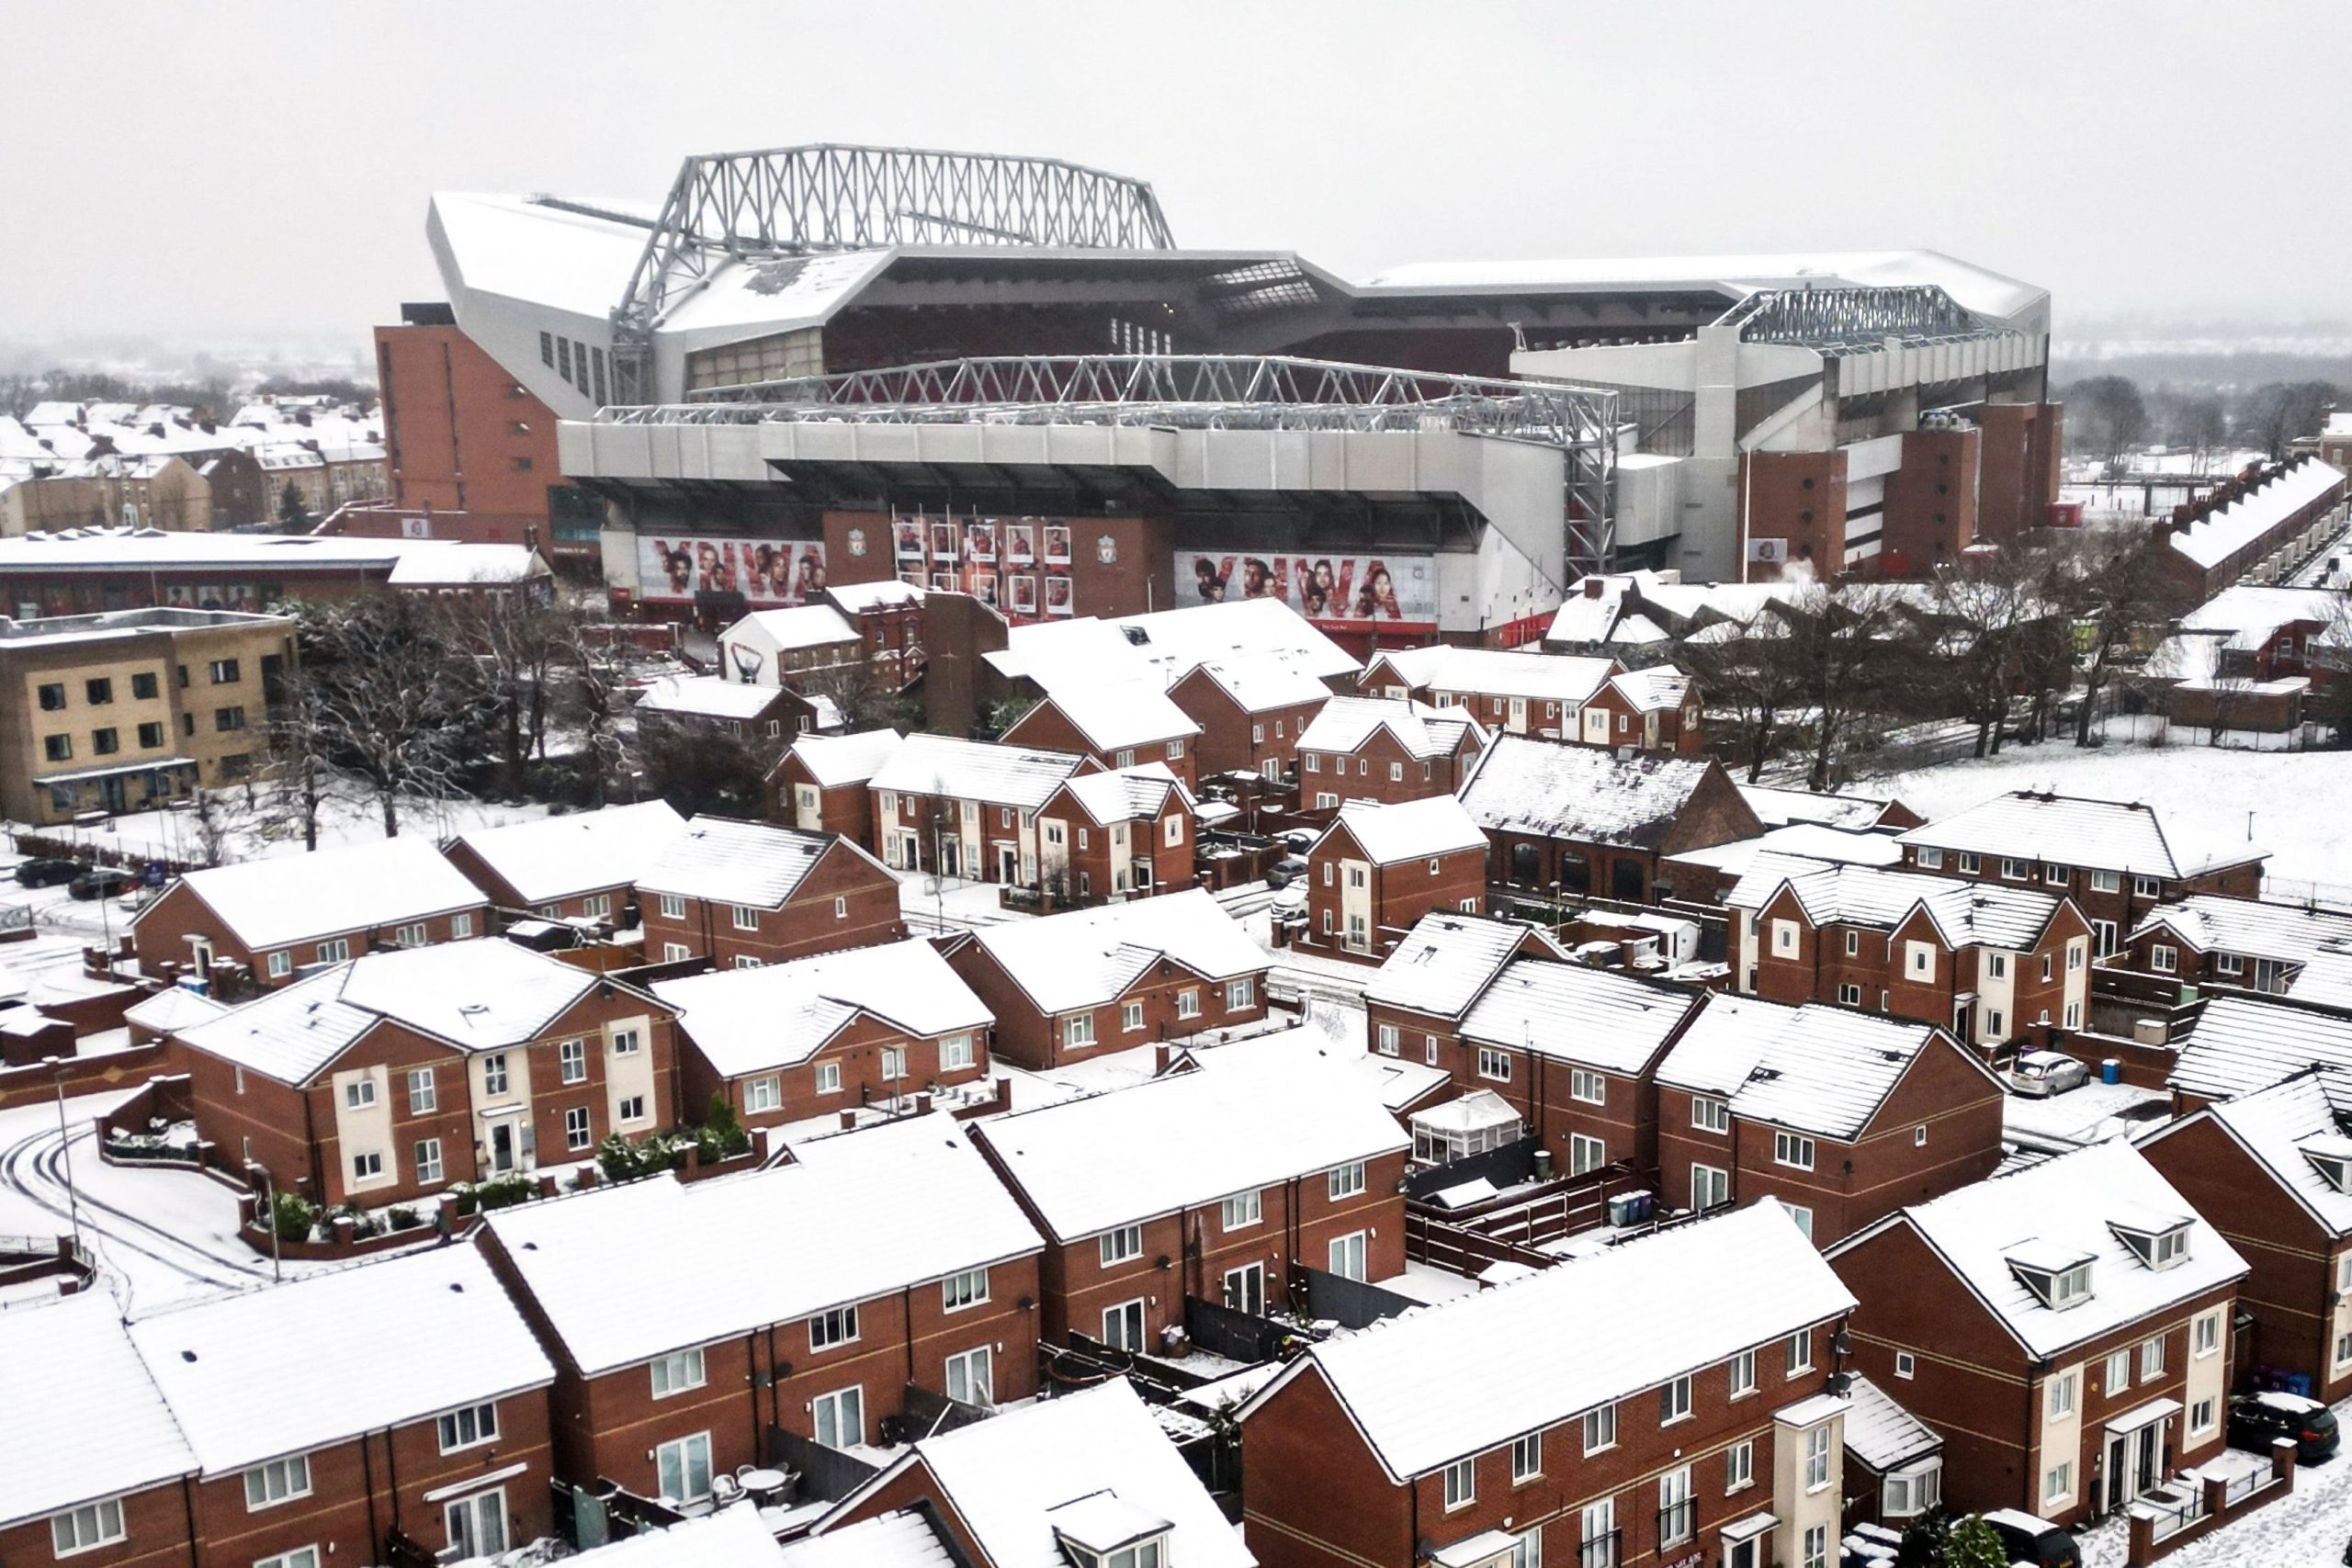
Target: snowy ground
{"x":171,"y":835}
{"x":2306,"y":1530}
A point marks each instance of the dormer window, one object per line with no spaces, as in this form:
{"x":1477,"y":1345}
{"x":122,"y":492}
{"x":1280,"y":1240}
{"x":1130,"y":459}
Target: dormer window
{"x":2158,"y":1240}
{"x":2331,"y":1156}
{"x":2060,"y":1277}
{"x":1104,"y":1530}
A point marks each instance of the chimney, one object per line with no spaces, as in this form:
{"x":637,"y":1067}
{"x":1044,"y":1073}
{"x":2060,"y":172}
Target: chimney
{"x":1592,"y":586}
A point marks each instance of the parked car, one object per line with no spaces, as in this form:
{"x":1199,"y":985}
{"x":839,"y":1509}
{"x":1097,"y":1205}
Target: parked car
{"x":1290,"y":900}
{"x":2027,"y":1538}
{"x":2043,"y":1073}
{"x":102,"y":882}
{"x":46,"y":872}
{"x":1300,"y":840}
{"x":2256,"y":1420}
{"x":1287,"y":870}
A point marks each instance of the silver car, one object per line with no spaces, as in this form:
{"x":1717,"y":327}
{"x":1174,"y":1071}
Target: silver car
{"x":2044,"y":1073}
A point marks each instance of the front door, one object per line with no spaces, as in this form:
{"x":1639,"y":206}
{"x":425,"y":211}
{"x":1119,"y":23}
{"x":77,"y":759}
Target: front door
{"x":110,"y":793}
{"x":1742,"y":1554}
{"x":1007,"y":863}
{"x":505,"y":1154}
{"x":1517,"y":721}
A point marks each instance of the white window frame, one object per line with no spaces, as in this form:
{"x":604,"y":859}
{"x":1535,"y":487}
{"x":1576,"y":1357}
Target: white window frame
{"x":1600,"y":1430}
{"x":828,"y":1077}
{"x":1344,"y":1181}
{"x":1241,"y":1210}
{"x":428,"y":1160}
{"x":1588,"y":1085}
{"x":1674,"y":1400}
{"x":1526,"y":1458}
{"x":1709,"y":1114}
{"x":955,"y":1052}
{"x":678,"y":1373}
{"x":763,"y":1094}
{"x":1739,"y":1467}
{"x":1460,"y":1485}
{"x":1793,"y":1149}
{"x":571,"y":1061}
{"x":1493,"y":1065}
{"x":833,"y":1328}
{"x":681,"y":1455}
{"x":1122,"y":1244}
{"x":85,"y":1527}
{"x":276,"y":1482}
{"x":976,"y":1368}
{"x":968,"y":1289}
{"x":468,"y":1426}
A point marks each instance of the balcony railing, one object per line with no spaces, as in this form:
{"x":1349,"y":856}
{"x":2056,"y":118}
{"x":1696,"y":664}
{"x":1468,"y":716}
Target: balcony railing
{"x":1601,"y":1550}
{"x":1677,"y":1522}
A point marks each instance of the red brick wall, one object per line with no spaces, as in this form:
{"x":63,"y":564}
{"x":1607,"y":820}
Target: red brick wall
{"x":1366,"y":772}
{"x":857,"y":1051}
{"x":805,"y":924}
{"x":1401,"y":894}
{"x":846,"y":809}
{"x":154,"y":1527}
{"x":1029,"y":1038}
{"x":1047,"y":728}
{"x":160,"y":936}
{"x":1231,"y":741}
{"x":1798,"y":498}
{"x":504,"y":895}
{"x":451,"y":414}
{"x":1930,"y":513}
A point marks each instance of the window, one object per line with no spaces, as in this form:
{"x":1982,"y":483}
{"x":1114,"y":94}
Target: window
{"x":971,"y":1377}
{"x":1121,"y":1244}
{"x":838,"y":1326}
{"x":960,"y":1290}
{"x":1817,"y":1458}
{"x":677,"y":1372}
{"x":2152,"y":1359}
{"x":1586,"y":1154}
{"x":2158,"y":1249}
{"x":625,"y":1043}
{"x":1601,"y":1429}
{"x":1709,"y":1186}
{"x":1743,"y":1374}
{"x":2163,"y":958}
{"x":2205,"y":1335}
{"x":461,"y":926}
{"x":1674,"y":1400}
{"x":1803,"y":1216}
{"x":894,"y":1063}
{"x":1600,"y":1535}
{"x":673,"y":906}
{"x":828,"y":1077}
{"x":300,"y":1557}
{"x":2013,"y":870}
{"x":2200,"y":1417}
{"x":358,"y":1093}
{"x":1969,"y":863}
{"x":224,"y":671}
{"x":1710,"y":1115}
{"x":52,"y":697}
{"x":1526,"y":1459}
{"x":150,"y":735}
{"x":1785,"y":938}
{"x":746,"y":917}
{"x":1347,"y":1256}
{"x":1345,"y":1180}
{"x":1676,"y":1514}
{"x":2106,"y":881}
{"x":105,"y":742}
{"x":366,"y":1166}
{"x":493,"y":1073}
{"x":1793,"y":1149}
{"x":1461,"y":1485}
{"x":2145,"y":887}
{"x":1800,"y":1352}
{"x":2228,"y":963}
{"x":1396,"y":773}
{"x":1241,"y":1210}
{"x":428,"y":1159}
{"x":571,"y":1061}
{"x":2061,"y":1396}
{"x":1494,"y":1064}
{"x":97,"y":691}
{"x":1817,"y":1547}
{"x":1188,"y":1002}
{"x":1912,"y":1490}
{"x":2058,"y":1483}
{"x":275,"y":1482}
{"x":1384,"y":1040}
{"x":227,"y":720}
{"x":683,"y":1469}
{"x":2117,"y":1375}
{"x":1130,"y":1016}
{"x":79,"y":1530}
{"x":1078,"y":1030}
{"x":1930,"y":859}
{"x":1590,"y":1086}
{"x":632,"y":1108}
{"x":57,"y":748}
{"x":465,"y":1429}
{"x":1906,"y":1365}
{"x":1122,"y":1325}
{"x":1919,"y":960}
{"x":955,"y":1050}
{"x":576,"y":1133}
{"x":334,"y":951}
{"x":1850,"y":995}
{"x":1239,"y":994}
{"x":1739,"y":1466}
{"x":1996,"y":964}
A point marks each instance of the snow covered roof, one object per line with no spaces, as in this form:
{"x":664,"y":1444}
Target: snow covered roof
{"x":1551,"y":789}
{"x":1009,"y":1479}
{"x":754,"y":864}
{"x":708,"y":696}
{"x":1783,"y":807}
{"x":871,"y":1213}
{"x":883,"y":594}
{"x":731,"y":1538}
{"x":749,"y":1021}
{"x":1593,"y":1018}
{"x":2220,"y":534}
{"x":1446,"y":671}
{"x":1086,"y":957}
{"x":955,"y":769}
{"x":1966,"y":914}
{"x":1734,"y":276}
{"x":80,"y":1419}
{"x":1262,"y":685}
{"x":1881,"y":1433}
{"x":1114,"y":714}
{"x":1660,"y":689}
{"x":360,"y":887}
{"x":173,"y":1007}
{"x":582,"y":851}
{"x":2049,"y":1215}
{"x":902,"y":1538}
{"x":2260,"y":610}
{"x":1123,"y":794}
{"x":2237,"y":1044}
{"x":454,"y":564}
{"x":1250,"y":1119}
{"x":2104,"y":835}
{"x":1425,"y":732}
{"x":1448,"y":1382}
{"x":1447,"y":958}
{"x":2281,"y":1127}
{"x":477,"y":995}
{"x":2315,"y":944}
{"x":1798,"y":841}
{"x":836,"y":760}
{"x":1814,"y":1069}
{"x":1599,"y":620}
{"x":789,"y":630}
{"x":245,"y":1374}
{"x":1166,"y":644}
{"x":1410,"y":829}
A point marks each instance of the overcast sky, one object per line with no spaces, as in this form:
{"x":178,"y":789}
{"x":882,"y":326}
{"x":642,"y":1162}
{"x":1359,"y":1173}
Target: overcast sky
{"x":257,"y":168}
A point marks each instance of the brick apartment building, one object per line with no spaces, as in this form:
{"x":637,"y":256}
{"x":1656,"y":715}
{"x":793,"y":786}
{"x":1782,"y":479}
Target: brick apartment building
{"x":819,"y":784}
{"x":580,"y":866}
{"x":1069,"y":986}
{"x":746,"y":893}
{"x":1589,"y":821}
{"x":1385,"y":750}
{"x":2065,"y":1328}
{"x":2236,"y":1044}
{"x":264,"y":922}
{"x":866,"y":1026}
{"x":385,"y":1079}
{"x":888,"y":615}
{"x":2206,"y":940}
{"x":1378,"y":869}
{"x":1510,"y":692}
{"x":1228,"y":1174}
{"x":1415,"y":1000}
{"x":2115,"y":860}
{"x":1655,"y":709}
{"x":1251,"y":712}
{"x":965,"y":806}
{"x":2217,"y":540}
{"x":2273,"y":1170}
{"x":1989,"y":962}
{"x":1114,"y":835}
{"x":1115,"y":724}
{"x":1840,"y":1116}
{"x":1665,"y":1400}
{"x":910,"y":1268}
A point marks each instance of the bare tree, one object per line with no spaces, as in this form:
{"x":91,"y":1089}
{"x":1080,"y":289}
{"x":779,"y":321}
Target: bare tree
{"x":861,"y":690}
{"x":2114,"y":417}
{"x":518,"y":648}
{"x":699,"y":767}
{"x":1839,"y":642}
{"x":596,"y":662}
{"x":2114,"y":590}
{"x":302,"y":777}
{"x":2282,"y":410}
{"x":1743,"y":675}
{"x":384,"y":674}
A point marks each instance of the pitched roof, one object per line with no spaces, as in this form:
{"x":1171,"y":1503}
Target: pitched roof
{"x":1168,"y":644}
{"x":1086,"y":957}
{"x":80,"y":1419}
{"x":1814,"y":1069}
{"x":1261,"y":686}
{"x":290,"y":899}
{"x":1661,"y":688}
{"x":2280,"y":1126}
{"x":1456,"y":1380}
{"x":871,"y":1212}
{"x":1570,"y":1012}
{"x":955,"y":769}
{"x":1552,"y":789}
{"x":1780,"y":807}
{"x":584,"y":852}
{"x":2104,"y":835}
{"x":2236,"y":1044}
{"x":708,"y":696}
{"x":1797,"y":842}
{"x":2279,"y":494}
{"x":802,"y":626}
{"x":1444,"y":669}
{"x":2315,"y":944}
{"x":1255,"y":1117}
{"x":902,"y":1538}
{"x":1966,"y":914}
{"x":1441,"y":964}
{"x":1112,"y":715}
{"x":2063,"y":1210}
{"x":883,"y":594}
{"x":835,"y":759}
{"x":242,"y":1372}
{"x":477,"y":995}
{"x":1345,"y":723}
{"x":747,"y":1021}
{"x":1123,"y":794}
{"x":729,"y":861}
{"x":1411,"y":829}
{"x":1881,"y":1433}
{"x":730,"y":1537}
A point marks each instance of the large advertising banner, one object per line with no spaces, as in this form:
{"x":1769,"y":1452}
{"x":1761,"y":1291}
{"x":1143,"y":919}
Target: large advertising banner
{"x":1337,"y":592}
{"x":769,"y":573}
{"x":1017,"y":566}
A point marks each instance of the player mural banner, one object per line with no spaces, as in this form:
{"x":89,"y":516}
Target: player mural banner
{"x":1017,"y":566}
{"x":1340,"y":592}
{"x":769,"y":573}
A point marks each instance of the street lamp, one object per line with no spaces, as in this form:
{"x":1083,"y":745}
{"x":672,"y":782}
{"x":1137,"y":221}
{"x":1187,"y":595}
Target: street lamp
{"x":56,"y":1065}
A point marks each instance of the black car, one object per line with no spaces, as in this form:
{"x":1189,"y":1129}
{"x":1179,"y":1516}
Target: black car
{"x":102,"y":882}
{"x":2256,"y":1420}
{"x":1287,"y":870}
{"x":2027,"y":1538}
{"x":47,"y":872}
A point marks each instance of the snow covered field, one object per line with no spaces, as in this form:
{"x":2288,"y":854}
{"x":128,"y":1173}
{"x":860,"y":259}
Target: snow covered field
{"x":171,"y":835}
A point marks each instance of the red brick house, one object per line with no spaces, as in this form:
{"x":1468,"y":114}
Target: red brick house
{"x":1385,"y":750}
{"x":1854,"y":813}
{"x":1665,"y":1400}
{"x":385,"y":1079}
{"x":1116,"y":724}
{"x":2238,"y":1044}
{"x":819,"y":784}
{"x":1251,"y":712}
{"x":746,"y":893}
{"x":1065,"y":988}
{"x":1511,"y":693}
{"x":1226,"y":1173}
{"x":783,"y":647}
{"x":1589,"y":821}
{"x":1841,"y":1116}
{"x":1653,"y":708}
{"x":392,"y":1456}
{"x":910,"y":1265}
{"x":580,"y":866}
{"x":1111,"y":836}
{"x":763,"y":718}
{"x":2117,"y":860}
{"x":269,"y":920}
{"x":836,"y":1031}
{"x":2065,"y":1328}
{"x":1413,"y":1003}
{"x":1377,"y":869}
{"x":1989,"y":962}
{"x":888,"y":615}
{"x":965,"y":808}
{"x":2273,"y":1169}
{"x":2206,"y":940}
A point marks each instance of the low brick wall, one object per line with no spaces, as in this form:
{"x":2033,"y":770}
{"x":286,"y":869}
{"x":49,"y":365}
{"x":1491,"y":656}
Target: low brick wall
{"x":2142,"y":1519}
{"x":81,"y":1075}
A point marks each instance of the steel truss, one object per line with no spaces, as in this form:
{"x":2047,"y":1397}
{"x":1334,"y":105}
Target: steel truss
{"x":1854,"y":318}
{"x":1206,"y":393}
